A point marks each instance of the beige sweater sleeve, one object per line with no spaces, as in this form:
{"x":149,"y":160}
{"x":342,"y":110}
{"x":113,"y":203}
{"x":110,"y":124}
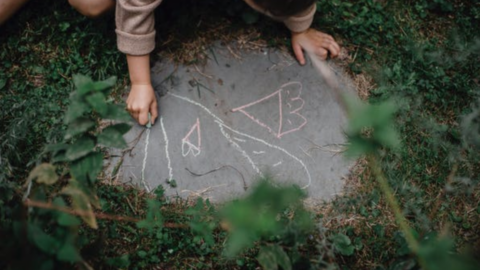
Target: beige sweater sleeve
{"x":302,"y":21}
{"x":135,"y":26}
{"x":297,"y":23}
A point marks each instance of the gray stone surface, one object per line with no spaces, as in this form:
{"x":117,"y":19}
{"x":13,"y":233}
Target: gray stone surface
{"x":241,"y":116}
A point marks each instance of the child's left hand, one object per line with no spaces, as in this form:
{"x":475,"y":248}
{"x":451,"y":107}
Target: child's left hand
{"x":316,"y":42}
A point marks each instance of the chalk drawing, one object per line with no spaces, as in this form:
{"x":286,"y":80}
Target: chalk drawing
{"x":187,"y":146}
{"x":223,"y":126}
{"x":278,"y":148}
{"x":238,"y":139}
{"x":147,"y":140}
{"x":258,"y":152}
{"x":167,"y":154}
{"x":283,"y":95}
{"x":257,"y":170}
{"x":277,"y":164}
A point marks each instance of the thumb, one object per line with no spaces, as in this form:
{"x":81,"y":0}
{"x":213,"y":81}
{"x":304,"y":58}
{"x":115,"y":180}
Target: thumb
{"x":297,"y":50}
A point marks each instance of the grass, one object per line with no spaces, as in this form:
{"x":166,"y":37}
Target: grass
{"x":424,"y":55}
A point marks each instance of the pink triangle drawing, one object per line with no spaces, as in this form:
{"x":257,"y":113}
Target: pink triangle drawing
{"x":189,"y":147}
{"x":289,"y":117}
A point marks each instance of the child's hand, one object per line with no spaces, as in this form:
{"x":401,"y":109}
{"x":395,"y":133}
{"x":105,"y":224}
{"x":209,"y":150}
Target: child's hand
{"x":142,"y":101}
{"x":318,"y":43}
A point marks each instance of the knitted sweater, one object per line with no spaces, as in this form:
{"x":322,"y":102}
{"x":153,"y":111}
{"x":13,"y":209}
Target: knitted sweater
{"x":135,"y":24}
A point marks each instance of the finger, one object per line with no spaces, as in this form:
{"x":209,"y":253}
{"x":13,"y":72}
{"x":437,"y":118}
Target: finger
{"x":325,"y":36}
{"x":153,"y":112}
{"x":134,"y":116}
{"x":143,"y":118}
{"x":297,"y":50}
{"x":332,"y":47}
{"x":336,"y":49}
{"x":322,"y":53}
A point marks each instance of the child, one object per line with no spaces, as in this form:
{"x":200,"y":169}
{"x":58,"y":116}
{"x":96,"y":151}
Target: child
{"x":135,"y":25}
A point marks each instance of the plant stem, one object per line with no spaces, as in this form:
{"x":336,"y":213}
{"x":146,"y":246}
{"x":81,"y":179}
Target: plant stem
{"x":392,"y":202}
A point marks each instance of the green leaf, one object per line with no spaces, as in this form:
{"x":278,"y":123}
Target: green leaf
{"x":282,"y":258}
{"x":59,"y":201}
{"x":75,"y":110}
{"x":106,"y":84}
{"x":68,"y":253}
{"x":377,"y":119}
{"x":44,"y":173}
{"x":81,"y":203}
{"x":343,"y":244}
{"x":83,"y":84}
{"x":67,"y":220}
{"x":154,"y":217}
{"x":55,"y":148}
{"x":82,"y":147}
{"x":78,"y":126}
{"x":270,"y":257}
{"x":60,"y":157}
{"x":267,"y":259}
{"x":88,"y":167}
{"x":142,"y":253}
{"x":43,"y":241}
{"x":112,"y":136}
{"x":98,"y":102}
{"x":115,"y":112}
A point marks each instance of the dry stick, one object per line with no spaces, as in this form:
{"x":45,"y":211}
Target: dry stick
{"x":116,"y":169}
{"x":134,"y":142}
{"x":82,"y":213}
{"x":203,"y":74}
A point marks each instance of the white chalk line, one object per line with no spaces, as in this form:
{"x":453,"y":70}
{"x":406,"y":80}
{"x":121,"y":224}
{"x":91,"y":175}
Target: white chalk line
{"x":278,"y":148}
{"x":238,"y":140}
{"x":277,"y":164}
{"x":198,"y":104}
{"x":258,"y":152}
{"x":167,"y":154}
{"x":145,"y":161}
{"x":221,"y":124}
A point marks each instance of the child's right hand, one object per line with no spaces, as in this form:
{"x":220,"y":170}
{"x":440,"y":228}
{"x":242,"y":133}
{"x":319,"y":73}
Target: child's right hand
{"x":142,"y":101}
{"x":316,"y":42}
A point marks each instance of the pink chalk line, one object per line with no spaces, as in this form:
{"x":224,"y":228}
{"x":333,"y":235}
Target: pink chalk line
{"x":278,"y":93}
{"x":194,"y":149}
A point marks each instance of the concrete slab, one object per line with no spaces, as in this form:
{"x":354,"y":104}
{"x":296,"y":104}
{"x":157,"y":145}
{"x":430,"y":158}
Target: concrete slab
{"x":241,"y":116}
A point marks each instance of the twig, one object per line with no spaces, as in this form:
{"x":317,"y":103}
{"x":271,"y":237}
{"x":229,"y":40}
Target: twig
{"x":82,"y":213}
{"x":116,"y":169}
{"x":245,"y":187}
{"x":199,"y":193}
{"x":203,"y":74}
{"x":134,"y":141}
{"x":131,"y":206}
{"x":234,"y":54}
